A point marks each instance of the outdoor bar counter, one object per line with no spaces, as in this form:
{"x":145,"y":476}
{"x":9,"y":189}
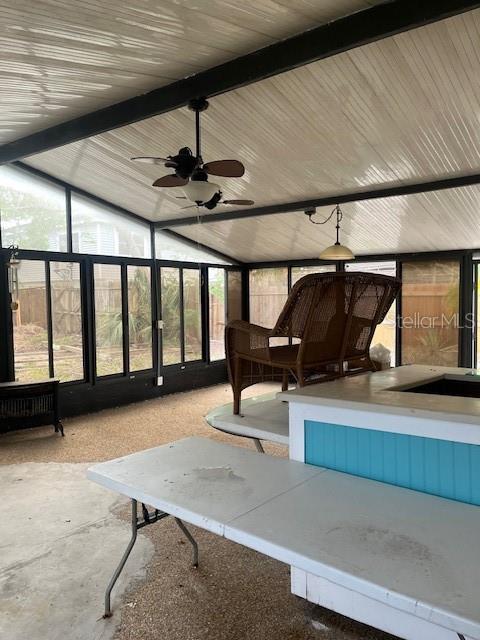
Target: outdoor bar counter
{"x":389,"y":527}
{"x":406,"y":426}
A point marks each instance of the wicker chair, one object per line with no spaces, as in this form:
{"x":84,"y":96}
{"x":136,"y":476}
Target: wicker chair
{"x":332,"y":316}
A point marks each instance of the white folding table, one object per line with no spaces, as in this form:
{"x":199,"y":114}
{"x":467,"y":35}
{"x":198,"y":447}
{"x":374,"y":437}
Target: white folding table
{"x":405,"y":561}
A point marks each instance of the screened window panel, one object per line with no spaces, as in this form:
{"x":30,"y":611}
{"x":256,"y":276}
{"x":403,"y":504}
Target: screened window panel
{"x":385,"y":333}
{"x":32,"y":212}
{"x":30,"y":325}
{"x":65,"y":287}
{"x":108,"y":319}
{"x":169,"y":248}
{"x":171,"y":332}
{"x":268,"y":294}
{"x":139,"y":317}
{"x":299,"y":272}
{"x":430,"y":307}
{"x":477,"y":314}
{"x":234,"y":297}
{"x":192,"y":315}
{"x":217,"y":312}
{"x":99,"y":230}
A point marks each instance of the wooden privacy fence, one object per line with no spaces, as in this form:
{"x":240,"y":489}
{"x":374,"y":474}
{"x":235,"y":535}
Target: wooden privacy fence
{"x":429,"y":300}
{"x":66,"y":308}
{"x":32,"y":307}
{"x":108,"y":299}
{"x":66,"y":311}
{"x":217,"y":318}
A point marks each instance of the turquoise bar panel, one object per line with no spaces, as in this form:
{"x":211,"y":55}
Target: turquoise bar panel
{"x":439,"y":467}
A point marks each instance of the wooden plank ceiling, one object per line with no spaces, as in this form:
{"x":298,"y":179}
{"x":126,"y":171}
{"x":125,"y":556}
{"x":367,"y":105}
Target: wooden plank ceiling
{"x":435,"y":221}
{"x":402,"y":110}
{"x":63,"y":58}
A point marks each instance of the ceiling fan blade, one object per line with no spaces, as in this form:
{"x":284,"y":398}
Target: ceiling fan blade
{"x":170,"y":181}
{"x":190,"y":206}
{"x":150,"y":159}
{"x":247,"y":203}
{"x":181,"y":198}
{"x":226,"y":168}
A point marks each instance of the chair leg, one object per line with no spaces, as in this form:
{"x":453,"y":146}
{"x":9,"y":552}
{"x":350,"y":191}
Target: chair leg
{"x":236,"y":402}
{"x":285,"y":380}
{"x":300,"y":378}
{"x":237,"y":387}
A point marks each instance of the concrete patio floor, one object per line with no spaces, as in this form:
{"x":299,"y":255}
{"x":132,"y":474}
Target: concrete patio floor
{"x":61,"y":537}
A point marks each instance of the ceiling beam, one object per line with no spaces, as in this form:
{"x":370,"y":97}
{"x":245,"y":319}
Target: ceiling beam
{"x":344,"y":34}
{"x":326,"y":201}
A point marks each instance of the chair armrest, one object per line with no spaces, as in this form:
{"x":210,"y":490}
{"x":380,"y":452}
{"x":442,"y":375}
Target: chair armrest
{"x":246,"y":338}
{"x":248,"y":327}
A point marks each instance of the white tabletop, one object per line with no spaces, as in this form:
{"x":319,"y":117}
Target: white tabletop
{"x":415,"y":552}
{"x":264,"y":417}
{"x":201,"y":481}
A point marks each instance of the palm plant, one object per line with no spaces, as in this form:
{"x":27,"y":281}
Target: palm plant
{"x":139,"y":307}
{"x":110,"y":323}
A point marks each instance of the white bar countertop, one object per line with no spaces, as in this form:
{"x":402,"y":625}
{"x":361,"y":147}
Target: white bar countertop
{"x":373,"y":400}
{"x":414,"y":552}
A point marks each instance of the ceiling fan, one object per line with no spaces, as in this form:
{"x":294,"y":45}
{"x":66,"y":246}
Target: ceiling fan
{"x":188,"y":166}
{"x":214,"y":200}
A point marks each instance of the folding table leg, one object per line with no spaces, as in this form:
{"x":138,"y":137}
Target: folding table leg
{"x":191,"y":539}
{"x":258,"y":445}
{"x":148,"y":518}
{"x":118,"y":570}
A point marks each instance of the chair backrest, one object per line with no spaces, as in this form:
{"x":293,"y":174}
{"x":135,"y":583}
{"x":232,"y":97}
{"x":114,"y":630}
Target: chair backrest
{"x":335,"y":314}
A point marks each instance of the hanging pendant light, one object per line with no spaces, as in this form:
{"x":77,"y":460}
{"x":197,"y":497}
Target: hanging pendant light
{"x":337,"y":251}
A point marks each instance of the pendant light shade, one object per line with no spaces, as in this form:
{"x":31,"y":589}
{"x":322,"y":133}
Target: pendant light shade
{"x":336,"y":252}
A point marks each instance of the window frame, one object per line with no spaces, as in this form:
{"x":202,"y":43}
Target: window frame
{"x":47,"y":259}
{"x":467,"y":258}
{"x":123,"y":263}
{"x":475,"y":311}
{"x":152,"y":316}
{"x":225,"y":309}
{"x":86,"y":264}
{"x":205,"y":311}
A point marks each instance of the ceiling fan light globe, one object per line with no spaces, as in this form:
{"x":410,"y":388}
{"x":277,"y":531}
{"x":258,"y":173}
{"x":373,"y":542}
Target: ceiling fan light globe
{"x":336,"y":252}
{"x":200,"y":191}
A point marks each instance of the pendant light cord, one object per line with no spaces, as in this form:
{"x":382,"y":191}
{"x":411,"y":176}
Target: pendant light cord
{"x":339,"y":218}
{"x":336,"y":210}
